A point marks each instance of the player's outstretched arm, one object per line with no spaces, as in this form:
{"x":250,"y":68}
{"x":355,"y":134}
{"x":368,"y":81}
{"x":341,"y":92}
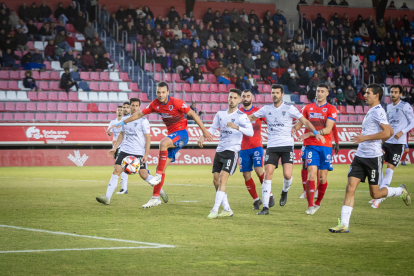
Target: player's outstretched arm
{"x":147,"y":147}
{"x":385,"y":134}
{"x":133,"y":117}
{"x":311,"y":128}
{"x":117,"y":143}
{"x":252,"y":117}
{"x":409,"y":113}
{"x":198,"y":121}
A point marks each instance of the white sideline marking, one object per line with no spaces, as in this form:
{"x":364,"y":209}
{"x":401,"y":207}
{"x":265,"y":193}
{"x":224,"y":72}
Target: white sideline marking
{"x":146,"y":244}
{"x":169,"y":184}
{"x":188,"y":201}
{"x":76,"y":249}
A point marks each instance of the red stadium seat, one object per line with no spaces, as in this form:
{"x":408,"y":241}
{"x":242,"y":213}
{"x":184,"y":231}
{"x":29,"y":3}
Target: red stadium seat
{"x":224,"y":106}
{"x":54,"y":86}
{"x":8,"y":117}
{"x":29,"y":117}
{"x":267,"y":88}
{"x":260,"y":98}
{"x":342,"y":118}
{"x":389,"y":81}
{"x":177,"y":87}
{"x":2,"y":109}
{"x":32,"y":96}
{"x":406,"y":82}
{"x":359,"y":109}
{"x":304,"y":99}
{"x":73,"y":97}
{"x":361,"y":118}
{"x":19,"y":117}
{"x":186,"y":87}
{"x":104,"y":86}
{"x":14,"y":75}
{"x":43,"y":85}
{"x":21,"y":107}
{"x":113,"y":86}
{"x":102,"y":118}
{"x":387,"y":100}
{"x":352,"y":119}
{"x":51,"y":117}
{"x":350,"y":109}
{"x":205,"y":98}
{"x":206,"y":108}
{"x":260,"y":88}
{"x":148,"y":67}
{"x":62,"y":107}
{"x":40,"y":117}
{"x":71,"y":117}
{"x":102,"y":107}
{"x":92,"y":107}
{"x":176,"y":77}
{"x":85,"y":76}
{"x":81,"y":118}
{"x":13,"y":86}
{"x":195,"y":88}
{"x":132,"y":95}
{"x":63,"y":96}
{"x":31,"y":107}
{"x":95,"y":76}
{"x":212,"y":78}
{"x":268,"y":98}
{"x":54,"y":75}
{"x":42,"y":96}
{"x":51,"y":107}
{"x":193,"y":97}
{"x":204,"y":87}
{"x":4,"y":75}
{"x":213,"y":88}
{"x":52,"y":96}
{"x":83,"y":107}
{"x":112,"y":107}
{"x":214,"y":98}
{"x":215,"y":108}
{"x":223,"y":98}
{"x":397,"y":81}
{"x":366,"y":109}
{"x":92,"y":118}
{"x":143,"y":97}
{"x":41,"y":107}
{"x":61,"y":117}
{"x":167,"y":77}
{"x":44,"y":75}
{"x":222,"y":88}
{"x":124,"y":76}
{"x":73,"y":107}
{"x":111,"y":116}
{"x":341,"y":109}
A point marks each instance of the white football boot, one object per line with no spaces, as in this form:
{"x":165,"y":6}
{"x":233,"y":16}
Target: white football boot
{"x":303,"y":195}
{"x":154,"y":201}
{"x":155,"y":180}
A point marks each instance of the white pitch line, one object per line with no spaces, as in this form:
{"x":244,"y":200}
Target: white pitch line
{"x":169,"y":184}
{"x":85,"y":236}
{"x":79,"y":249}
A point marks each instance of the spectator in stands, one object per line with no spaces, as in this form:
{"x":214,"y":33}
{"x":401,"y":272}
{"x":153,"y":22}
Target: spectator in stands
{"x":273,"y":63}
{"x":67,"y":61}
{"x":104,"y":16}
{"x":197,"y":73}
{"x":80,"y":24}
{"x":340,"y":97}
{"x":293,"y":85}
{"x":392,"y":5}
{"x":34,"y":13}
{"x":29,"y":81}
{"x":27,"y":63}
{"x":283,"y":62}
{"x":46,"y":32}
{"x":60,"y":14}
{"x":71,"y":12}
{"x":167,"y":63}
{"x":299,"y":46}
{"x":13,"y":19}
{"x":98,"y":49}
{"x":404,"y":6}
{"x":177,"y":65}
{"x":279,"y":16}
{"x":78,"y":62}
{"x":208,"y":17}
{"x":37,"y":57}
{"x":330,"y":83}
{"x":320,"y":72}
{"x":332,"y":3}
{"x":256,"y":45}
{"x":266,"y":74}
{"x":60,"y":41}
{"x":24,"y":12}
{"x":45,"y":12}
{"x":249,"y":64}
{"x":222,"y":74}
{"x":7,"y":59}
{"x":253,"y":83}
{"x":67,"y":82}
{"x":88,"y":62}
{"x":311,"y":95}
{"x":89,"y":31}
{"x":343,"y":3}
{"x":350,"y":96}
{"x":33,"y":32}
{"x":320,"y":21}
{"x":50,"y":51}
{"x":173,"y":14}
{"x":20,"y":39}
{"x":242,"y":83}
{"x":315,"y":80}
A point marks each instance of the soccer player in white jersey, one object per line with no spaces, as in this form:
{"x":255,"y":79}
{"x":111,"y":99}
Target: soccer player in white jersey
{"x":279,"y":117}
{"x":367,"y":162}
{"x":401,"y":118}
{"x":120,"y":111}
{"x":135,"y":140}
{"x":233,"y":125}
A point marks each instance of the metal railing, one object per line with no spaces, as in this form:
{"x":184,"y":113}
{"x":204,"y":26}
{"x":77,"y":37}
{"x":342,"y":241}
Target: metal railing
{"x":291,"y":23}
{"x":131,"y":67}
{"x":313,"y":44}
{"x":373,"y":79}
{"x":103,"y":37}
{"x":140,"y":77}
{"x":163,"y":75}
{"x":95,"y":25}
{"x":124,"y":38}
{"x":319,"y":39}
{"x":121,"y":56}
{"x":340,"y":56}
{"x":303,"y":34}
{"x":361,"y":73}
{"x":98,"y":12}
{"x":115,"y":27}
{"x":329,"y":45}
{"x":142,"y":53}
{"x":153,"y":67}
{"x":150,"y":88}
{"x":322,"y":52}
{"x":112,"y":44}
{"x":134,"y":49}
{"x":86,"y":16}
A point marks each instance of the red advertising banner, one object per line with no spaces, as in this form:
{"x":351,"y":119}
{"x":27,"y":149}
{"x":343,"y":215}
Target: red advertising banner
{"x":96,"y":134}
{"x":54,"y":157}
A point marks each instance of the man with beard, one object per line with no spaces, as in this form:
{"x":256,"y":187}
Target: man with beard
{"x":251,"y":154}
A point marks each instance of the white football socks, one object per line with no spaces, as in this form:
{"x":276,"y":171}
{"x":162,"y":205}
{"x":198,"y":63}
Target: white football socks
{"x":112,"y":186}
{"x":219,"y":199}
{"x":124,"y":181}
{"x":225,"y":203}
{"x":393,"y":192}
{"x":149,"y":178}
{"x":386,"y":181}
{"x":286,"y":184}
{"x":266,"y":188}
{"x":346,"y":215}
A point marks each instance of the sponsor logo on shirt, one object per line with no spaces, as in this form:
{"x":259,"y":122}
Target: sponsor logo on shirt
{"x":314,"y":115}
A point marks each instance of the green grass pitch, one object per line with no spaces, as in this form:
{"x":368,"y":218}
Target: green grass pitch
{"x":286,"y":242}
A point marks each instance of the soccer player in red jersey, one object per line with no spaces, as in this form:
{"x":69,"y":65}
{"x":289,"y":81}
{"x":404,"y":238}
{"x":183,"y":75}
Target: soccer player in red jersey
{"x":172,"y":112}
{"x":318,"y":155}
{"x":251,"y":154}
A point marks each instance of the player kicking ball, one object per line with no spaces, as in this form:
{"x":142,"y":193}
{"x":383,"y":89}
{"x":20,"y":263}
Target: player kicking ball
{"x":172,"y":112}
{"x":233,"y":125}
{"x":401,"y":119}
{"x":122,"y":112}
{"x":318,"y":152}
{"x":367,"y":162}
{"x":251,"y":154}
{"x":135,"y":140}
{"x":279,"y":117}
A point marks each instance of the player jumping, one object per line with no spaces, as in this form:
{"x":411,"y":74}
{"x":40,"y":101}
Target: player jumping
{"x":135,"y":140}
{"x":401,"y":118}
{"x":251,"y":154}
{"x":172,"y":112}
{"x":318,"y":154}
{"x":367,"y":162}
{"x":233,"y":125}
{"x":280,"y":143}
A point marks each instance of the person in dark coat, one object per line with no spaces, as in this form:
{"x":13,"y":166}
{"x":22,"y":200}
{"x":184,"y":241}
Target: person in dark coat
{"x":29,"y":81}
{"x":293,"y":86}
{"x":66,"y":81}
{"x":24,"y":12}
{"x":45,"y":12}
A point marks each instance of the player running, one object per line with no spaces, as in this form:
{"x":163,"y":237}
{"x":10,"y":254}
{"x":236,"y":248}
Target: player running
{"x":122,"y":112}
{"x":233,"y":125}
{"x":251,"y":154}
{"x":280,"y":143}
{"x":318,"y":154}
{"x":401,"y":119}
{"x":172,"y":112}
{"x":135,"y":140}
{"x":367,"y":162}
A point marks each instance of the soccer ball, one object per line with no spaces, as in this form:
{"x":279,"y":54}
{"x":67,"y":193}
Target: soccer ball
{"x":130,"y":165}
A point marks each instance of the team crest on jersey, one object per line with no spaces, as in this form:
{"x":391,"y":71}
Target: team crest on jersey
{"x":135,"y":125}
{"x":283,"y":113}
{"x":232,"y":120}
{"x":170,"y":107}
{"x":324,"y":109}
{"x":181,"y":144}
{"x":256,"y":153}
{"x":309,"y":161}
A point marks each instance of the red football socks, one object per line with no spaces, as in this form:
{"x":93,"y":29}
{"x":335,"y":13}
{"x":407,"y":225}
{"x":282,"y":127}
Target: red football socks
{"x":157,"y":188}
{"x":321,"y":193}
{"x":261,"y":178}
{"x":304,"y":174}
{"x":251,"y":188}
{"x":162,"y":161}
{"x":310,"y":191}
{"x":403,"y":156}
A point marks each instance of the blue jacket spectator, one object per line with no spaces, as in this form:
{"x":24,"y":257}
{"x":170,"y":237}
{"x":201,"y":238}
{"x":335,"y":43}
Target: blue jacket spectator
{"x":256,"y":45}
{"x":279,"y":16}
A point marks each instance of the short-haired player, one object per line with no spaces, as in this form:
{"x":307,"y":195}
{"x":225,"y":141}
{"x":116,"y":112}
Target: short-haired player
{"x":279,"y":117}
{"x":318,"y":153}
{"x":401,"y":118}
{"x":134,"y":139}
{"x":251,"y":154}
{"x":368,"y":159}
{"x":172,"y":112}
{"x":233,"y":124}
